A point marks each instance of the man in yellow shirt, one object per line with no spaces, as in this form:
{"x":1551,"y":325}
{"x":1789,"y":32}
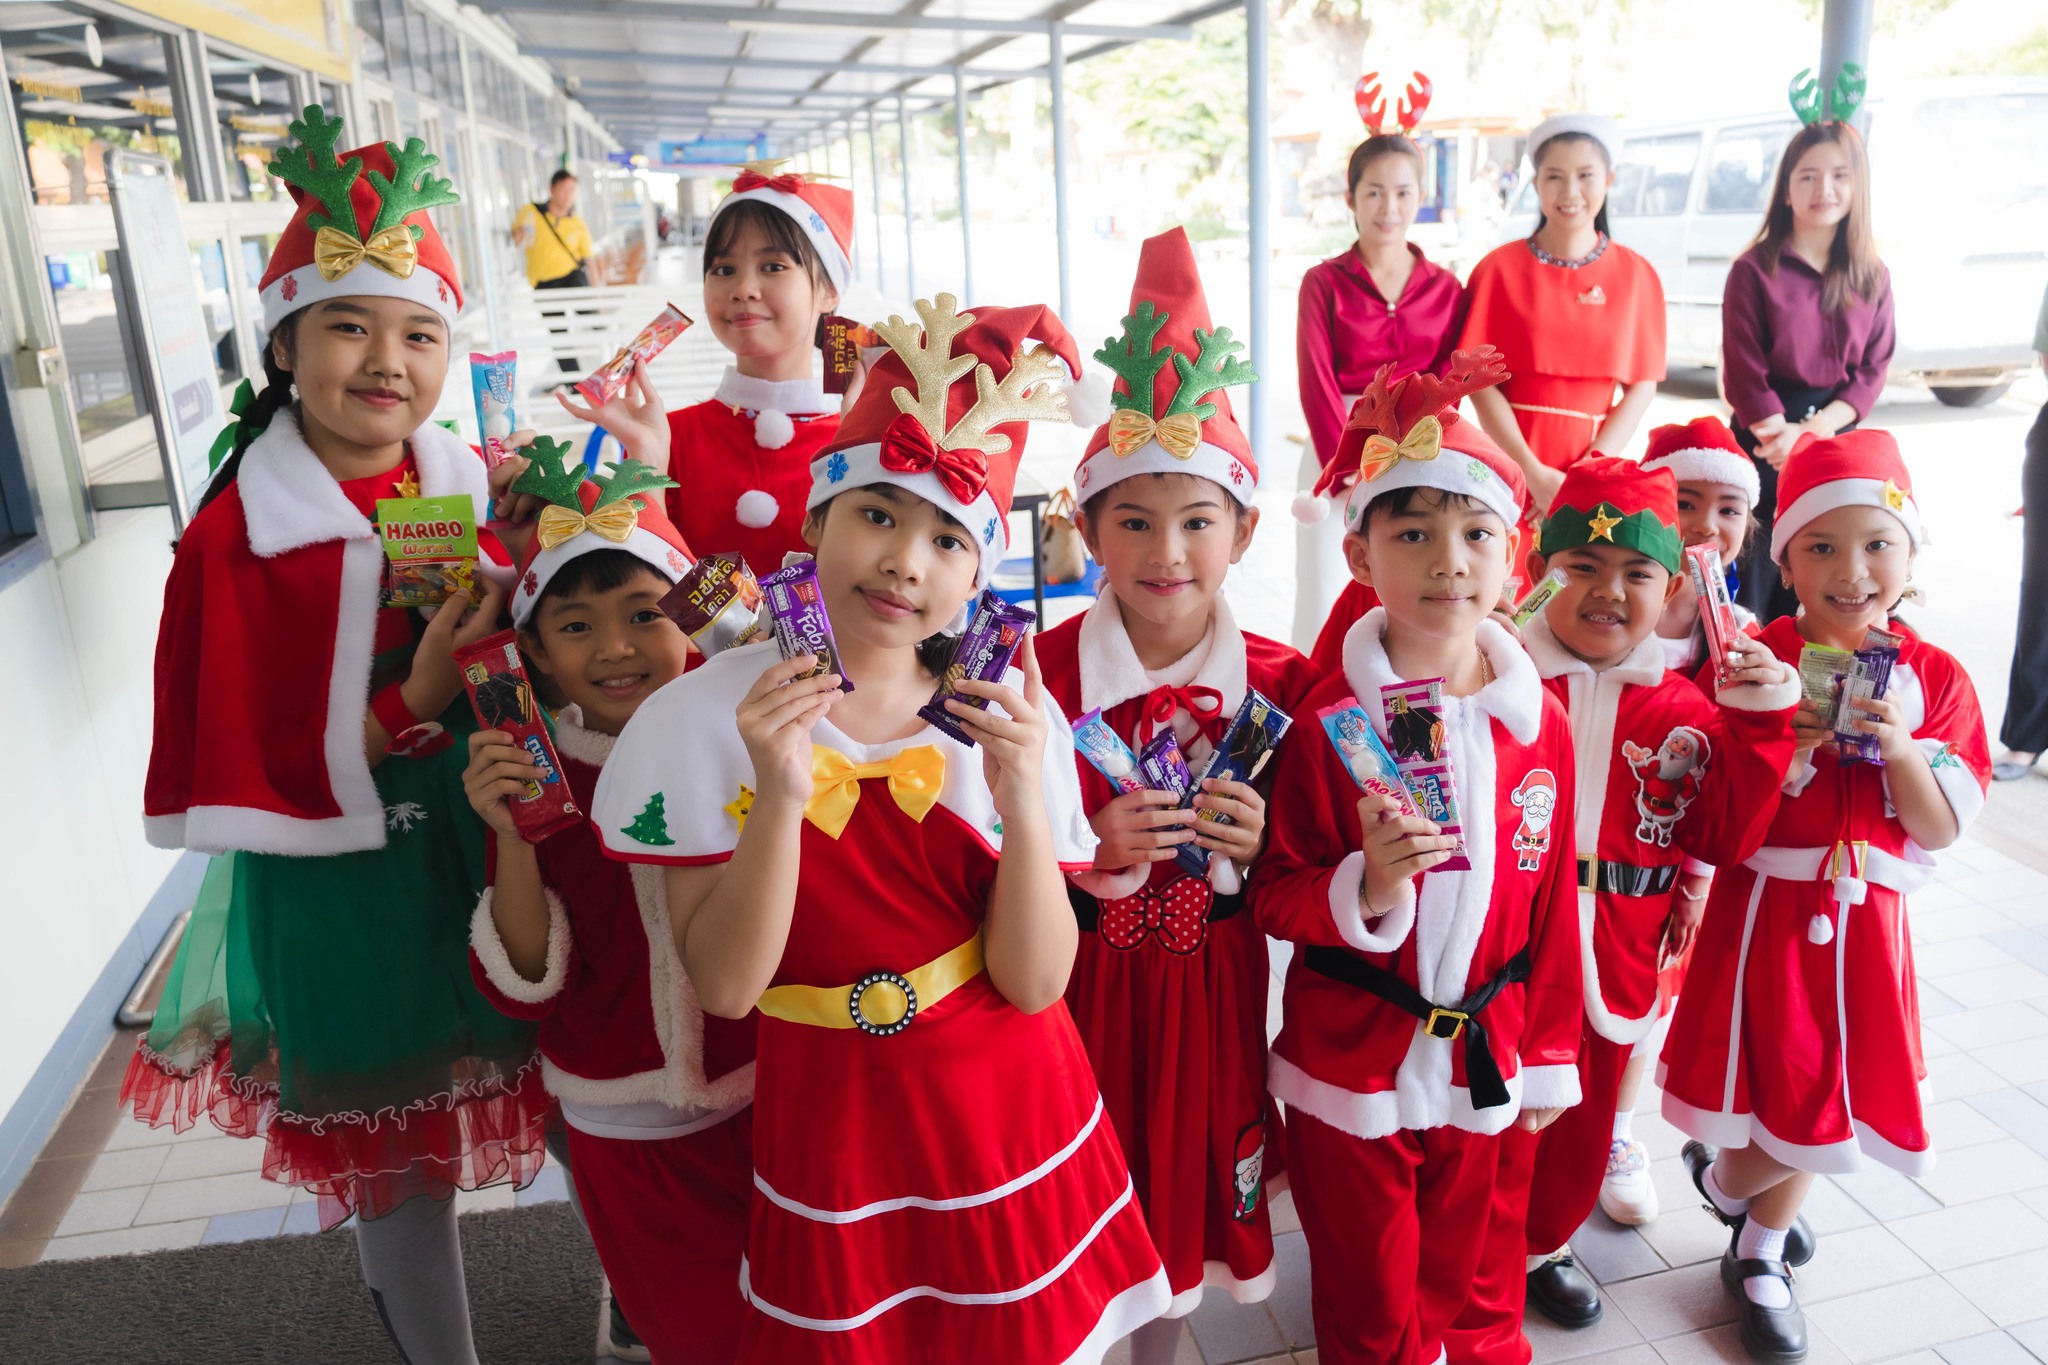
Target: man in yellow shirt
{"x":557,"y":242}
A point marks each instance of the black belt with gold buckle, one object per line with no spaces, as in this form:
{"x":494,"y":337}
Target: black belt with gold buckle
{"x":1626,"y":879}
{"x":1448,"y":1022}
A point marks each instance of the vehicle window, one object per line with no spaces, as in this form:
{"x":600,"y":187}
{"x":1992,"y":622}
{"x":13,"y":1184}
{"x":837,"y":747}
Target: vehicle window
{"x":1974,"y":137}
{"x":1744,"y":162}
{"x":1653,"y":176}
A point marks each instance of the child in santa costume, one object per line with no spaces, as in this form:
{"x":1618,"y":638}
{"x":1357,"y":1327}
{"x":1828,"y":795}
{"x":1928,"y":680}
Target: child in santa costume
{"x":1663,"y":772}
{"x":1169,"y":983}
{"x":1579,"y":317}
{"x":777,"y":254}
{"x":305,"y":729}
{"x":935,"y":1177}
{"x":1796,"y":1046}
{"x":653,"y":1091}
{"x":1426,"y":1011}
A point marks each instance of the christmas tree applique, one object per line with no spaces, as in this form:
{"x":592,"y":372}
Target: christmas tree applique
{"x":650,"y":826}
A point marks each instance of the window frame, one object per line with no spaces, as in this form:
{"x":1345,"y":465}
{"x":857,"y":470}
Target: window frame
{"x":1764,"y":131}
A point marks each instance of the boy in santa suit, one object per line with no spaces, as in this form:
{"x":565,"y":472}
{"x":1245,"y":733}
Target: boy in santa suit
{"x":777,"y":254}
{"x":1169,"y":981}
{"x":653,"y":1091}
{"x":1662,"y":771}
{"x":1427,"y":1010}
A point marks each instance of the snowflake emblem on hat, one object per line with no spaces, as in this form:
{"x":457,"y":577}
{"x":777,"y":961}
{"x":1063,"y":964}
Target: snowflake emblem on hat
{"x":817,"y":223}
{"x":835,"y":468}
{"x":441,"y":286}
{"x":1236,"y":472}
{"x":677,"y":562}
{"x":988,"y":532}
{"x":1081,"y":477}
{"x":531,"y":583}
{"x":1478,"y":470}
{"x":290,"y":288}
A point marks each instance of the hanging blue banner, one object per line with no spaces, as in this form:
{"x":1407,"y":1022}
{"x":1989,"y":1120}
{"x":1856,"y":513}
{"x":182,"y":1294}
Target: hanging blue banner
{"x":713,"y":151}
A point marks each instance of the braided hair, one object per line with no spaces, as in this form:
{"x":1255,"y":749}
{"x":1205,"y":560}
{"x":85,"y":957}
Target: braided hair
{"x":276,"y":394}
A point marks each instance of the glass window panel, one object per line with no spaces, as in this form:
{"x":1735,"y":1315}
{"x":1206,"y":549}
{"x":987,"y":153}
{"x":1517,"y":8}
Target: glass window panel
{"x":254,"y":104}
{"x":84,"y":82}
{"x":1653,"y":176}
{"x":97,"y":355}
{"x":210,"y":267}
{"x":370,"y":24}
{"x":1745,"y":160}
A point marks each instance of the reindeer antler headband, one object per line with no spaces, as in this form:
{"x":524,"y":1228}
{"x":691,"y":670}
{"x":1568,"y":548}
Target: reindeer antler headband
{"x":1372,"y":105}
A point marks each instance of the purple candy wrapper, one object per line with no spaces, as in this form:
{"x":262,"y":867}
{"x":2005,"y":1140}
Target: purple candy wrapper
{"x":796,"y":613}
{"x":1866,"y":679}
{"x":993,"y":636}
{"x":1106,"y":751}
{"x":1165,"y":769}
{"x":1248,"y":744}
{"x":1415,"y":731}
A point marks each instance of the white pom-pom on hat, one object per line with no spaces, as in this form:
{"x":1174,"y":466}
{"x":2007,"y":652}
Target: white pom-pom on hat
{"x":1088,"y":397}
{"x":757,"y":507}
{"x":772,"y":431}
{"x":1311,"y":509}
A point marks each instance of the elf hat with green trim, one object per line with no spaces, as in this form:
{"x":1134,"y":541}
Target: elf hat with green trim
{"x":359,"y":224}
{"x":1171,"y":409}
{"x":618,"y":510}
{"x":1605,"y":501}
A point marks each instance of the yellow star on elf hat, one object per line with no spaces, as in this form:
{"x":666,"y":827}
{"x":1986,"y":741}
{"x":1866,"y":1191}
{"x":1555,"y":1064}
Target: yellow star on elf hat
{"x":1602,"y":522}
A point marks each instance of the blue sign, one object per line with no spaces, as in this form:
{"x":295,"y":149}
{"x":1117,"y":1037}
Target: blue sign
{"x":713,"y":151}
{"x":620,"y":158}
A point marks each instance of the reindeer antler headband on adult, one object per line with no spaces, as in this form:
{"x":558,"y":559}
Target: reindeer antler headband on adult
{"x":1838,"y":104}
{"x":1372,"y":105}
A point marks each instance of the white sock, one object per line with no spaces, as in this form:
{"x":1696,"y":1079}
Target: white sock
{"x":1624,"y":1121}
{"x":1727,"y":1203}
{"x":1759,"y":1243}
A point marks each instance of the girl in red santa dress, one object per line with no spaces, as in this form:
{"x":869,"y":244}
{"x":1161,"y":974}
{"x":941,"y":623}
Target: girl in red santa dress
{"x":777,"y":253}
{"x":1378,"y":302}
{"x":302,"y":729}
{"x":1796,"y":1045}
{"x":936,"y":1179}
{"x":1578,"y":316}
{"x":1169,"y":984}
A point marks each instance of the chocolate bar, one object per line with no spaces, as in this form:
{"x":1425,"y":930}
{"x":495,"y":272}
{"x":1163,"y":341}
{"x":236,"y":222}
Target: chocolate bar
{"x":1365,"y":755}
{"x":716,"y":603}
{"x":1415,"y":731}
{"x":1538,"y":597}
{"x":609,"y":380}
{"x":1835,"y":679}
{"x":993,"y":636}
{"x":841,"y":340}
{"x":503,"y":699}
{"x":1164,"y":768}
{"x":1248,"y":745}
{"x":1717,"y":608}
{"x":429,"y":548}
{"x":796,"y":615}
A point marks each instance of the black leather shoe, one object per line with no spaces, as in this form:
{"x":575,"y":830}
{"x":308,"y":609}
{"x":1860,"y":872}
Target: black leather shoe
{"x":1776,"y":1336}
{"x":1799,"y":1239}
{"x":1562,"y":1292}
{"x":625,"y":1342}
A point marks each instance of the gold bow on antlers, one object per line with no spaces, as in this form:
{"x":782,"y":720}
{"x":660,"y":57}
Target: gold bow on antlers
{"x":1424,"y":441}
{"x":1178,"y":433}
{"x":337,"y":252}
{"x":614,"y":522}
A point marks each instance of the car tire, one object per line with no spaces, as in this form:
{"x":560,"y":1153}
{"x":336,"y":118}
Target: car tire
{"x":1973,"y":396}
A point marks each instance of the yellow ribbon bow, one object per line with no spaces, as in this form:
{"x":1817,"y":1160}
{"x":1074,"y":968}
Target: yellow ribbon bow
{"x":614,"y":522}
{"x":915,"y":776}
{"x":1178,"y":433}
{"x":1424,"y":441}
{"x":337,"y":252}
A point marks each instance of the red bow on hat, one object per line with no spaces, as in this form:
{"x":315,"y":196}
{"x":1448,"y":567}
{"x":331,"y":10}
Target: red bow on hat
{"x":788,"y":183}
{"x":907,"y":448}
{"x":1178,"y":917}
{"x":1205,"y":704}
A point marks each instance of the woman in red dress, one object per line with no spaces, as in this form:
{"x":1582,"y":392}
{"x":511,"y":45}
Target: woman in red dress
{"x":1578,"y":317}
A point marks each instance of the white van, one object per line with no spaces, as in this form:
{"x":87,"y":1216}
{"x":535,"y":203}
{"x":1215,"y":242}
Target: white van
{"x":1961,"y":193}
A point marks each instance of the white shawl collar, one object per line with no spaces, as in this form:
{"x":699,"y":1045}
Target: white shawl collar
{"x":800,"y":396}
{"x":1644,"y":666}
{"x":1111,"y":673}
{"x":1514,"y":697}
{"x":290,"y":501}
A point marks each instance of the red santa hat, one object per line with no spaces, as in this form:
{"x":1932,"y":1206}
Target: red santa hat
{"x":1605,"y":501}
{"x":943,"y":413}
{"x":1703,"y":449}
{"x":1171,"y":411}
{"x":618,"y":510}
{"x":1861,"y":468}
{"x":359,"y":224}
{"x":823,"y":212}
{"x":1406,"y":433}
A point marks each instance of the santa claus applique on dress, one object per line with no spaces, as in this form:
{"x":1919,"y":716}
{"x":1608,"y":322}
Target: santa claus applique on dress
{"x":1667,"y":780}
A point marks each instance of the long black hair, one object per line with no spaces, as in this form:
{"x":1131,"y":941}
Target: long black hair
{"x":276,"y":394}
{"x":1536,"y":167}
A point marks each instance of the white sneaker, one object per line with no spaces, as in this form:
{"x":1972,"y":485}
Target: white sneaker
{"x":1626,"y":1195}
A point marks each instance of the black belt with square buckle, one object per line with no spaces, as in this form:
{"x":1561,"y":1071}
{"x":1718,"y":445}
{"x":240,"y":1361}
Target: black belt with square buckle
{"x":1625,"y":879}
{"x":1482,"y":1073}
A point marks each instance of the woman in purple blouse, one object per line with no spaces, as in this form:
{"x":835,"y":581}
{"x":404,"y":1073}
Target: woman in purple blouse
{"x":1806,"y":324}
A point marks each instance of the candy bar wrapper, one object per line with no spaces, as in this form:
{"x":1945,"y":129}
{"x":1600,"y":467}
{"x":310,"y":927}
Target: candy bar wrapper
{"x":1717,"y":608}
{"x":1365,"y":755}
{"x":1164,"y":768}
{"x":796,"y":616}
{"x":1415,"y":730}
{"x":492,"y":377}
{"x":429,"y":548}
{"x":717,"y":603}
{"x":503,"y":699}
{"x":1107,"y":752}
{"x":1819,"y":667}
{"x":1247,"y":747}
{"x":1867,"y":676}
{"x":1550,"y":585}
{"x":608,"y":380}
{"x":993,"y":636}
{"x":841,"y":341}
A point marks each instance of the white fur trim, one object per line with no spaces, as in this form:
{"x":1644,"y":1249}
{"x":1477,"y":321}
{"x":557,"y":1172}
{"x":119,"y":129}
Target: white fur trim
{"x":861,"y":465}
{"x":1310,"y":509}
{"x":1106,"y":469}
{"x":1218,"y":1275}
{"x":773,"y":430}
{"x":1123,"y":1315}
{"x":1385,"y":932}
{"x":641,"y":543}
{"x":1089,"y":402}
{"x":1112,"y":883}
{"x":1550,"y":1087}
{"x":1724,"y":1128}
{"x":756,"y":508}
{"x":1452,"y":471}
{"x":1824,"y":498}
{"x":1711,"y":464}
{"x":573,"y":740}
{"x":1765,"y":697}
{"x":1957,"y":783}
{"x":1224,"y":878}
{"x":1111,"y":673}
{"x":805,"y":397}
{"x":1377,"y":1113}
{"x":808,"y":220}
{"x":1514,"y":697}
{"x":442,"y":298}
{"x":489,"y":947}
{"x":678,"y":1017}
{"x":228,"y":829}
